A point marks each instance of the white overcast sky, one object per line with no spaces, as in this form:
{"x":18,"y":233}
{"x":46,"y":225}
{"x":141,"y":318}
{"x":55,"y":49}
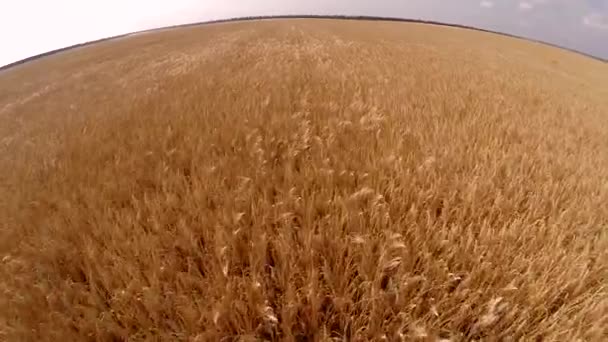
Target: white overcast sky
{"x":30,"y":27}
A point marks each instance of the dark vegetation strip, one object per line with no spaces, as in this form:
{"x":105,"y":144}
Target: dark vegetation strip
{"x":337,"y":17}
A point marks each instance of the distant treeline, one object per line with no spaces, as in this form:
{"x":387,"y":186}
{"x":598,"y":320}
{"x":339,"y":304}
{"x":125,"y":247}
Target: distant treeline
{"x":335,"y":17}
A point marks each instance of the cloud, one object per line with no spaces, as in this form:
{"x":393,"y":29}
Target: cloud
{"x":486,"y":4}
{"x":525,"y":6}
{"x":530,"y":4}
{"x":596,"y":20}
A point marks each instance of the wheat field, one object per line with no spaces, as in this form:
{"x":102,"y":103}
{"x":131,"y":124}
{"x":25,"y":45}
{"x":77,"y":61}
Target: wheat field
{"x":305,"y":180}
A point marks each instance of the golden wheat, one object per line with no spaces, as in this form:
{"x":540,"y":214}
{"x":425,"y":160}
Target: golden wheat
{"x":305,"y":180}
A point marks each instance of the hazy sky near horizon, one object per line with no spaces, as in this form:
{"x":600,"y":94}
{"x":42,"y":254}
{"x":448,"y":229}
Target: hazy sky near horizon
{"x":31,"y":27}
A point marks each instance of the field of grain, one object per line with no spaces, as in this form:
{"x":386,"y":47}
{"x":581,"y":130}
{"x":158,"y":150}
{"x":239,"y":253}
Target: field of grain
{"x":305,"y":180}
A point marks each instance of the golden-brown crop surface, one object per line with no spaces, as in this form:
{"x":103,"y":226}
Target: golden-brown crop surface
{"x":305,"y":180}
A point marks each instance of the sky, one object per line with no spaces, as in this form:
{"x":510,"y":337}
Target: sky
{"x":31,"y":27}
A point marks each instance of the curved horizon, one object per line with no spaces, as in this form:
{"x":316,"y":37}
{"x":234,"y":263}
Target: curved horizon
{"x":29,"y":28}
{"x":299,"y":16}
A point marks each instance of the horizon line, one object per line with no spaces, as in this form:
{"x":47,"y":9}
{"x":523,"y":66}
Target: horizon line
{"x":297,"y":16}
